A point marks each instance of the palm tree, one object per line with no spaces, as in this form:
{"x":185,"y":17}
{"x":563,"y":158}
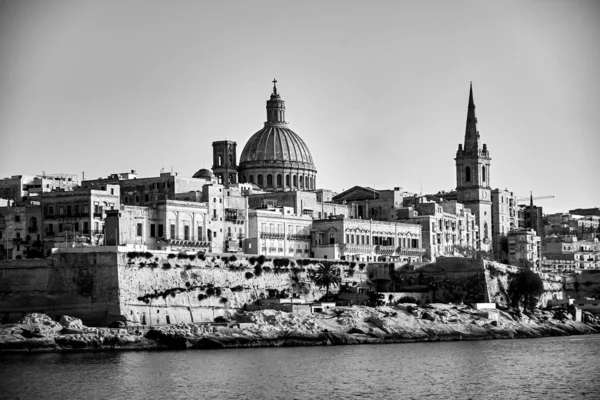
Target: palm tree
{"x":327,"y":276}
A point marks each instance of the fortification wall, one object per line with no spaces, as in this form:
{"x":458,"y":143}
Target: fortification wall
{"x":166,"y":288}
{"x":83,"y":285}
{"x":497,"y":277}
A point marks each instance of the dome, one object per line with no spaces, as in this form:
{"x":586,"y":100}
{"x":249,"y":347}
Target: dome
{"x":276,"y":158}
{"x":203,"y":174}
{"x":276,"y":145}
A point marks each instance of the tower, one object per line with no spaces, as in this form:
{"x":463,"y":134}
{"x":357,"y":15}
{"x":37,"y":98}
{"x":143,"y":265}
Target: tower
{"x":225,"y":161}
{"x":473,"y":177}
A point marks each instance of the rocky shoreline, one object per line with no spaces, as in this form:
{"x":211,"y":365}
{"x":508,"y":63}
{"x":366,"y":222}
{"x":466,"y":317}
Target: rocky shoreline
{"x":37,"y":333}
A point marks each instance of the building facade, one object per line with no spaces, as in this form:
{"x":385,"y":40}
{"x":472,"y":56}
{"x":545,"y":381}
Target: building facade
{"x":504,"y":218}
{"x":278,"y":232}
{"x":523,"y":245}
{"x":366,"y":240}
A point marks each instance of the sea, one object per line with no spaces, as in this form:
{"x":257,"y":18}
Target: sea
{"x":546,"y":368}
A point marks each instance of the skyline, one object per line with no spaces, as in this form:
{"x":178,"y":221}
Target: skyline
{"x":378,"y":91}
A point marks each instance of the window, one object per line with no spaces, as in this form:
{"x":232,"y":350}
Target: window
{"x":146,"y":197}
{"x":86,"y":227}
{"x":468,"y":174}
{"x":152,"y":230}
{"x":61,"y":210}
{"x":137,"y":199}
{"x":60,"y":227}
{"x":199,"y":233}
{"x":269,"y":180}
{"x":259,"y":180}
{"x":279,"y":180}
{"x":173,"y":231}
{"x":139,"y":229}
{"x":161,"y":230}
{"x":220,"y":160}
{"x":483,"y":173}
{"x":287,"y":180}
{"x":251,"y":178}
{"x":295,"y":181}
{"x":186,"y":232}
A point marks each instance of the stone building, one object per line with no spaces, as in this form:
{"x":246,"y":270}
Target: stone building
{"x":225,"y":162}
{"x":368,"y":203}
{"x":302,"y":202}
{"x":567,"y":254}
{"x":523,"y":245}
{"x":20,"y":231}
{"x":278,"y":232}
{"x":447,"y":227}
{"x":366,"y":240}
{"x":275,"y":158}
{"x":581,"y":226}
{"x":473,"y":177}
{"x":170,"y":225}
{"x":77,"y":216}
{"x":151,"y":190}
{"x":21,"y":188}
{"x":504,"y":219}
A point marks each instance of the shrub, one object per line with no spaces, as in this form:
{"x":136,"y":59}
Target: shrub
{"x":292,"y":263}
{"x":352,"y":265}
{"x":261,"y":260}
{"x":223,"y":300}
{"x":166,"y":266}
{"x":252,"y":260}
{"x":142,"y":264}
{"x":218,"y":291}
{"x":257,"y":270}
{"x":210,"y":291}
{"x":182,"y":256}
{"x":202,"y":297}
{"x":187,"y":284}
{"x":361,"y":266}
{"x":148,"y":255}
{"x":153,"y":265}
{"x":249,"y":275}
{"x":350,"y":273}
{"x":201,"y":256}
{"x":267,"y":269}
{"x":132,"y":254}
{"x":237,"y":288}
{"x":171,"y":256}
{"x":188,"y":267}
{"x":232,"y":258}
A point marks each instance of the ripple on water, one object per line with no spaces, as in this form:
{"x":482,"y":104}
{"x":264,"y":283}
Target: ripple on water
{"x":556,"y":368}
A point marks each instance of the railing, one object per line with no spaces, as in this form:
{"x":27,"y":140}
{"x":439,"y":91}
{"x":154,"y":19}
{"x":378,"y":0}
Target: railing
{"x":266,"y":235}
{"x":50,"y":233}
{"x":32,"y":229}
{"x":97,"y":215}
{"x":298,"y":237}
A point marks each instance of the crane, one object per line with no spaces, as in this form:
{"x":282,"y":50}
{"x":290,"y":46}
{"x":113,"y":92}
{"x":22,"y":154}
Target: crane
{"x":523,"y":200}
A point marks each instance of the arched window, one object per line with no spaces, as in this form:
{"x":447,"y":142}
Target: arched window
{"x":244,"y":180}
{"x":485,"y":230}
{"x":295,"y":181}
{"x":483,"y":172}
{"x":33,"y":222}
{"x":220,"y":160}
{"x":269,"y":180}
{"x":468,"y":174}
{"x":301,"y":181}
{"x":251,"y":178}
{"x":279,"y":180}
{"x":287,"y":181}
{"x":259,"y":180}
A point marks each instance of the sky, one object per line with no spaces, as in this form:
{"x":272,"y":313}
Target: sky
{"x":377,"y":90}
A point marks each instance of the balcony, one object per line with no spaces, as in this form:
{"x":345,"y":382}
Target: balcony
{"x":95,"y":232}
{"x":98,"y":215}
{"x":266,"y":235}
{"x":32,"y":229}
{"x":50,"y":233}
{"x":298,"y":237}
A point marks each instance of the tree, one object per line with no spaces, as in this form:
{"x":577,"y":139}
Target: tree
{"x":525,"y":287}
{"x":327,"y":276}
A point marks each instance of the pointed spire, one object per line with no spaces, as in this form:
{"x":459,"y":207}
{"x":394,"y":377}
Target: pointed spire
{"x":471,"y":134}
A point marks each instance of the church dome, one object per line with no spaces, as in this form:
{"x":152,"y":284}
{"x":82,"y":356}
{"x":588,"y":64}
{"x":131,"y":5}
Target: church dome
{"x":204,"y":174}
{"x":277,"y":144}
{"x":275,"y":157}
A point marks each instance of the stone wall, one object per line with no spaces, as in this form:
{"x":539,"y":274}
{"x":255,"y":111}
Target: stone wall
{"x":195,"y":290}
{"x":83,"y":285}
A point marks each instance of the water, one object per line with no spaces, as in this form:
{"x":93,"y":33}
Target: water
{"x":549,"y":368}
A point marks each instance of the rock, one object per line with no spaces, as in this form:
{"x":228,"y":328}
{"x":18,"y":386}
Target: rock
{"x":428,"y":315}
{"x":71,"y":322}
{"x":38,"y":325}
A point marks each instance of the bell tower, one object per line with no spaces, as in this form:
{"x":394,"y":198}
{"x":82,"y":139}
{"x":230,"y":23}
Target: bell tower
{"x":473,"y":177}
{"x":225,"y":161}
